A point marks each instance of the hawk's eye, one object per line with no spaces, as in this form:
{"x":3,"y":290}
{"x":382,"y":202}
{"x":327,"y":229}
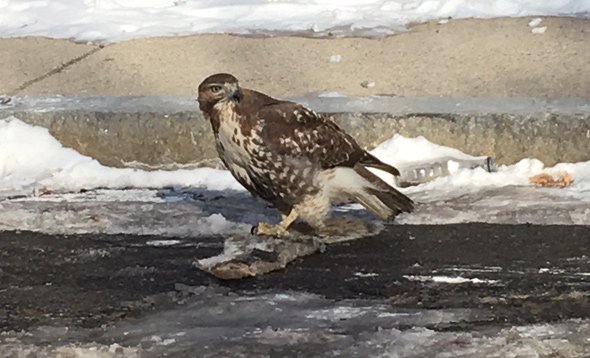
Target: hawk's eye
{"x":215,"y":89}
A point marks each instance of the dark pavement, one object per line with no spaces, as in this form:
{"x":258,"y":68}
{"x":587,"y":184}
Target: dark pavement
{"x":516,"y":274}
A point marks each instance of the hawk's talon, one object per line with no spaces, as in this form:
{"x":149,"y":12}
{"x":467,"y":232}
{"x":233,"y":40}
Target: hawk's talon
{"x":266,"y":229}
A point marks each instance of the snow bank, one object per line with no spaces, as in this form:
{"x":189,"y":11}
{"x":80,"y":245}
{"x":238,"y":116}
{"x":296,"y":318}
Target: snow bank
{"x":31,"y":160}
{"x":400,"y":151}
{"x":115,"y":20}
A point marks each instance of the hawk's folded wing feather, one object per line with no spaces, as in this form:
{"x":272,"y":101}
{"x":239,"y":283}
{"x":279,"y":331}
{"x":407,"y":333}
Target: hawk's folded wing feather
{"x":293,"y":130}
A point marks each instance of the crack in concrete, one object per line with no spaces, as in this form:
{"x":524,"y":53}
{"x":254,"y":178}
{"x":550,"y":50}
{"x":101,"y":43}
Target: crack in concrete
{"x":56,"y":70}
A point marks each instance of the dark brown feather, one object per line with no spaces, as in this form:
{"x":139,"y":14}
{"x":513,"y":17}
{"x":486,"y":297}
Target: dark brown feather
{"x":371,"y":161}
{"x":290,"y":128}
{"x":390,"y":196}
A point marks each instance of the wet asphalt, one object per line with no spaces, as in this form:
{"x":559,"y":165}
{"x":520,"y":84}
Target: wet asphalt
{"x":515,"y":274}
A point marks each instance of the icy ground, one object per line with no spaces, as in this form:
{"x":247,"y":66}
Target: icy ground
{"x":212,"y":322}
{"x":46,"y":187}
{"x":115,"y":20}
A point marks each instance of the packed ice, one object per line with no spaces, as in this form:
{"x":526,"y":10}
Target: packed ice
{"x":212,"y":322}
{"x":115,"y":20}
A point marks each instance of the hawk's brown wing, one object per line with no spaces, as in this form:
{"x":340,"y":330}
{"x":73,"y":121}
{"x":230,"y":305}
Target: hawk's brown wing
{"x":293,"y":130}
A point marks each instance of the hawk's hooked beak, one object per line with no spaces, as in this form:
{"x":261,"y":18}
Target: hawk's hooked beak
{"x":234,"y":94}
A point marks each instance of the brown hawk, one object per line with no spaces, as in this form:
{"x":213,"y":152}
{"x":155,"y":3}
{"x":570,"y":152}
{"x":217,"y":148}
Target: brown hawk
{"x":291,"y":157}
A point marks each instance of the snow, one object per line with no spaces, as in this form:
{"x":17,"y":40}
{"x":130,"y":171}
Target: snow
{"x":335,"y":58}
{"x":539,"y":30}
{"x":40,"y":183}
{"x":535,"y":22}
{"x":162,"y":243}
{"x":31,"y":160}
{"x":328,"y":94}
{"x":449,"y":279}
{"x":116,"y":20}
{"x":400,"y":150}
{"x":366,"y":274}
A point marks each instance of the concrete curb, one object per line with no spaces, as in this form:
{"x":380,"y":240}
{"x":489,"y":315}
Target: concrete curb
{"x":169,"y":132}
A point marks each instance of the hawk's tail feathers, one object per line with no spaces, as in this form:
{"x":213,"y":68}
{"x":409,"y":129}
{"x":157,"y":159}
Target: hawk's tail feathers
{"x":369,"y":160}
{"x":380,"y":198}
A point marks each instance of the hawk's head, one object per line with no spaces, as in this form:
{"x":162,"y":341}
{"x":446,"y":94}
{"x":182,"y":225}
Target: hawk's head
{"x":216,"y":88}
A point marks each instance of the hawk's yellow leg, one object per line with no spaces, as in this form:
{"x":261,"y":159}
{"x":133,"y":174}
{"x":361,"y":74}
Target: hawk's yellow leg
{"x":279,"y":229}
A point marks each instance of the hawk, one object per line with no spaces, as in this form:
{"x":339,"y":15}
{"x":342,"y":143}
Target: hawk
{"x":296,"y":160}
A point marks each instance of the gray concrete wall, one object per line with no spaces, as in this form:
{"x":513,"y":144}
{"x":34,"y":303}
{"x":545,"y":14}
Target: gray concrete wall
{"x":169,"y":132}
